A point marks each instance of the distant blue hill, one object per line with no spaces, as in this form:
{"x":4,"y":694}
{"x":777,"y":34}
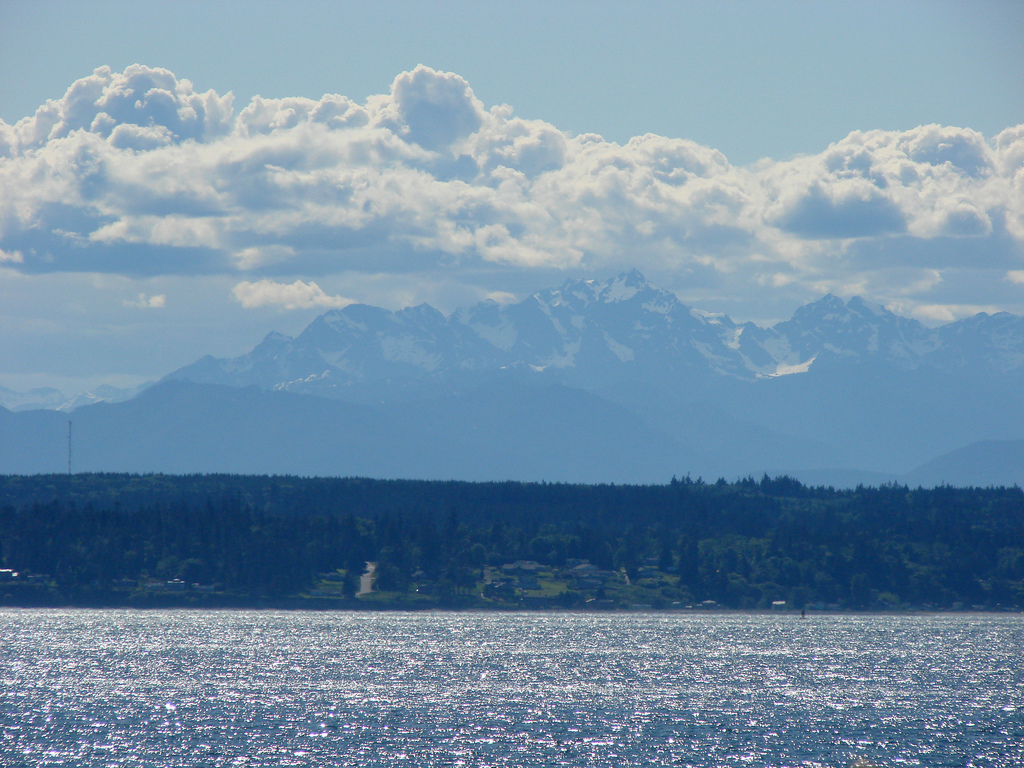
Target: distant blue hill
{"x":985,"y":463}
{"x":500,"y":431}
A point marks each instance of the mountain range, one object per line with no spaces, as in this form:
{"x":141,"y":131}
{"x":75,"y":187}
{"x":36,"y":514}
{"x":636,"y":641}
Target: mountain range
{"x":594,"y":381}
{"x":591,"y":334}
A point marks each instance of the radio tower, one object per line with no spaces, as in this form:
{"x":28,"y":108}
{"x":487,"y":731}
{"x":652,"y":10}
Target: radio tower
{"x":69,"y":446}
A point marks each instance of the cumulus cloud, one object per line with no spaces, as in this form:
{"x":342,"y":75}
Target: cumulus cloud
{"x":433,"y":109}
{"x":141,"y":102}
{"x":265,"y":116}
{"x":938,"y":146}
{"x":138,"y":173}
{"x":841,"y":210}
{"x":297,"y":295}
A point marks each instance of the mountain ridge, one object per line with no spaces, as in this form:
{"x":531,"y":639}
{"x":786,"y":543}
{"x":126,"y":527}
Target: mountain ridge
{"x":589,"y":333}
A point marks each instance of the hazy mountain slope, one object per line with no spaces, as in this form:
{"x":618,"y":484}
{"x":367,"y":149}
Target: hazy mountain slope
{"x":501,"y":431}
{"x":183,"y":427}
{"x":986,"y":463}
{"x":41,"y":397}
{"x":883,"y":420}
{"x":34,"y":441}
{"x":54,"y":399}
{"x":725,"y":445}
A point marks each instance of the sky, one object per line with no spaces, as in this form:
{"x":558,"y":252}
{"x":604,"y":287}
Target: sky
{"x":179,"y":179}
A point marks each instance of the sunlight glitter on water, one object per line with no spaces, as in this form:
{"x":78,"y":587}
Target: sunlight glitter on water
{"x":306,"y":689}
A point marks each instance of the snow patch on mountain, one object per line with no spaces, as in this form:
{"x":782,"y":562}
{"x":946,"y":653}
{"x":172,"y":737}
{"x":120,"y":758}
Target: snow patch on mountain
{"x":712,"y":318}
{"x":624,"y":287}
{"x":617,"y":292}
{"x":503,"y":336}
{"x":783,"y":369}
{"x":661,"y":306}
{"x":410,"y":351}
{"x":621,"y":351}
{"x":565,"y":358}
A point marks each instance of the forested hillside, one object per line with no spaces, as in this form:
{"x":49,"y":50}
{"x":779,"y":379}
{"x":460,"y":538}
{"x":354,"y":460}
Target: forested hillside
{"x":222,"y":540}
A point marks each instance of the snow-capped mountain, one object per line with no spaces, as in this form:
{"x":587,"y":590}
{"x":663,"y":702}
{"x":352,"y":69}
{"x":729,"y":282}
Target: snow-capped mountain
{"x":856,"y":330}
{"x":592,"y":334}
{"x":991,"y":343}
{"x":41,"y":397}
{"x":50,"y":398}
{"x":585,"y":333}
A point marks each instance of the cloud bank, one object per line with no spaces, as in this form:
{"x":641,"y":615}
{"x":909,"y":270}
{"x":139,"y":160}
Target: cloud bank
{"x":136,"y":173}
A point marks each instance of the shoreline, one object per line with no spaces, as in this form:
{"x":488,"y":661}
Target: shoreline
{"x":321,"y":606}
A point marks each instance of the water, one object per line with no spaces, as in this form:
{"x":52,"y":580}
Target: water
{"x":170,"y":688}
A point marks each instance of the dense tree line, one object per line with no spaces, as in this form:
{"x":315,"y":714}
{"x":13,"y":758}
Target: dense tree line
{"x":743,"y":545}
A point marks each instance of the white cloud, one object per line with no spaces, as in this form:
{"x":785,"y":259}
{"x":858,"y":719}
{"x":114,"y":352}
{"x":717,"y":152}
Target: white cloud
{"x":136,"y":173}
{"x":432,"y":109}
{"x":1016,"y":276}
{"x":502,"y":297}
{"x":265,"y":116}
{"x":947,"y":313}
{"x":147,"y":302}
{"x":140,"y":101}
{"x":297,"y":295}
{"x":262,"y":255}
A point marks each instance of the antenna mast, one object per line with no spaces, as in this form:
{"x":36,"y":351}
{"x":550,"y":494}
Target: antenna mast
{"x":69,"y":446}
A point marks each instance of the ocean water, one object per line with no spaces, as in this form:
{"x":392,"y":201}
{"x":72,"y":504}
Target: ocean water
{"x":178,"y":688}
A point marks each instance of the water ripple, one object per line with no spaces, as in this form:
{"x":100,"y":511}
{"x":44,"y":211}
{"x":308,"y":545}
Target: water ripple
{"x":110,"y":688}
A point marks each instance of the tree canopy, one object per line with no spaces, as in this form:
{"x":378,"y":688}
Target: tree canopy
{"x":109,"y":539}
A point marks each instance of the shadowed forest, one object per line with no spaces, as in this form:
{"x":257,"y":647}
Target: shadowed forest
{"x":225,"y":540}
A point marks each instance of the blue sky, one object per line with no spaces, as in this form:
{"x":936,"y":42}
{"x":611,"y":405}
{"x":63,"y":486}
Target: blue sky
{"x":752,"y":79}
{"x":132,"y":245}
